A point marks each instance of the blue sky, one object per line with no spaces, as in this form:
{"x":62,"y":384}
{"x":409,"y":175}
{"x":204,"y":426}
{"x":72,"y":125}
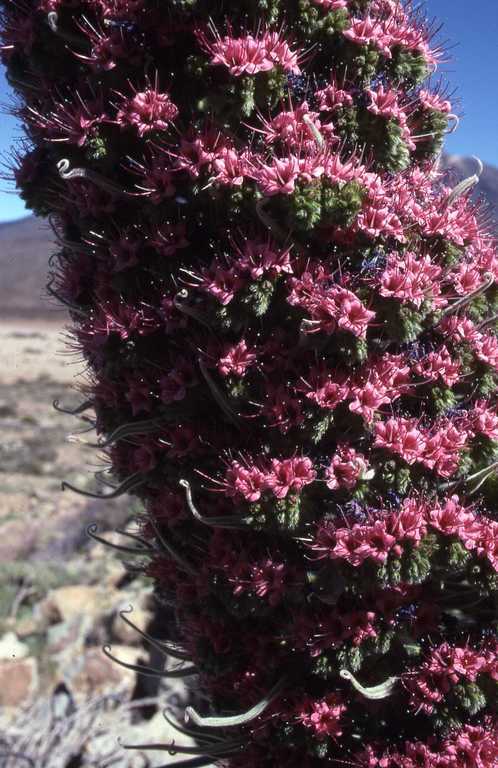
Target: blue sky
{"x":471,"y":29}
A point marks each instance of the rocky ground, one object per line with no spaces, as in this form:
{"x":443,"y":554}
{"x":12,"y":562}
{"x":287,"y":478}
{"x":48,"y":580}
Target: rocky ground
{"x":60,"y":592}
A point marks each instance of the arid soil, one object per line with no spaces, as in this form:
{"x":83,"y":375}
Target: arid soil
{"x":60,"y":592}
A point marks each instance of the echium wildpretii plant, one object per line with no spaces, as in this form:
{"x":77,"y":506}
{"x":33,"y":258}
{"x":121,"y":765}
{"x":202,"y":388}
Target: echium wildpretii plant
{"x":288,"y":318}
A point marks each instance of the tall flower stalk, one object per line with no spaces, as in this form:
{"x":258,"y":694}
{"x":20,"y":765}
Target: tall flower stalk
{"x":288,"y":317}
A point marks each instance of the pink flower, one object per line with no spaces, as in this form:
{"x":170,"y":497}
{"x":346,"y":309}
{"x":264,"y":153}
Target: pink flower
{"x":458,"y":329}
{"x":240,"y":55}
{"x":330,"y":308}
{"x":246,"y":481}
{"x":466,"y":278}
{"x":443,"y":445}
{"x":323,"y":716}
{"x":455,"y":222}
{"x":223,"y":284}
{"x":352,"y":315}
{"x":451,"y":518}
{"x":376,"y":220}
{"x":68,"y":121}
{"x":347,"y":466}
{"x":433,"y":102}
{"x":268,"y":580}
{"x":327,"y":390}
{"x":439,"y":365}
{"x":237,"y":359}
{"x":147,"y":111}
{"x":445,"y":667}
{"x":487,"y":542}
{"x":332,"y":97}
{"x":231,"y":167}
{"x":331,"y":5}
{"x":292,"y":128}
{"x":410,"y":278}
{"x":249,"y":55}
{"x":367,"y":399}
{"x":279,"y":178}
{"x":368,"y":31}
{"x":290,"y":475}
{"x":484,"y":419}
{"x":486,"y":349}
{"x":409,"y":524}
{"x":155,"y":178}
{"x":198,"y":151}
{"x":259,"y":257}
{"x":401,"y":436}
{"x":363,"y":542}
{"x":384,"y":102}
{"x":472,"y":747}
{"x":281,"y":53}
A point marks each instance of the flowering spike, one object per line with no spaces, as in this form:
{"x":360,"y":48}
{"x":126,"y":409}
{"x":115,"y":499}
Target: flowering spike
{"x":276,"y":289}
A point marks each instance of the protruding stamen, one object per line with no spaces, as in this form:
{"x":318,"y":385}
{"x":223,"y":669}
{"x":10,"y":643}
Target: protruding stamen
{"x":163,"y":648}
{"x":67,"y":174}
{"x":130,"y":428}
{"x":313,"y":131}
{"x":172,"y":552}
{"x":232,"y":721}
{"x":179,"y":304}
{"x":150,"y":671}
{"x":230,"y":521}
{"x":73,"y":411}
{"x":374,"y":692}
{"x":467,"y":299}
{"x":132,"y":482}
{"x":218,"y":396}
{"x":214,"y":751}
{"x":467,"y":184}
{"x":61,"y":300}
{"x":91,"y":532}
{"x":456,"y":122}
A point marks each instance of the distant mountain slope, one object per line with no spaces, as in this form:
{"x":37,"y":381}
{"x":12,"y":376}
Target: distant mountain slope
{"x":25,"y":246}
{"x":488,"y":183}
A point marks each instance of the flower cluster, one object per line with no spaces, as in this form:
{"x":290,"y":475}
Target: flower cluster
{"x":412,"y":279}
{"x":346,"y":468}
{"x":322,"y":717}
{"x":446,"y":667}
{"x":392,"y":531}
{"x":472,"y":745}
{"x":250,"y":54}
{"x":280,"y":477}
{"x":438,"y":447}
{"x":330,"y":308}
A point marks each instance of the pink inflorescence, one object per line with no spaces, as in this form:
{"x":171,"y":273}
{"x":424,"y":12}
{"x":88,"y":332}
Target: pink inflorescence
{"x":287,"y":312}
